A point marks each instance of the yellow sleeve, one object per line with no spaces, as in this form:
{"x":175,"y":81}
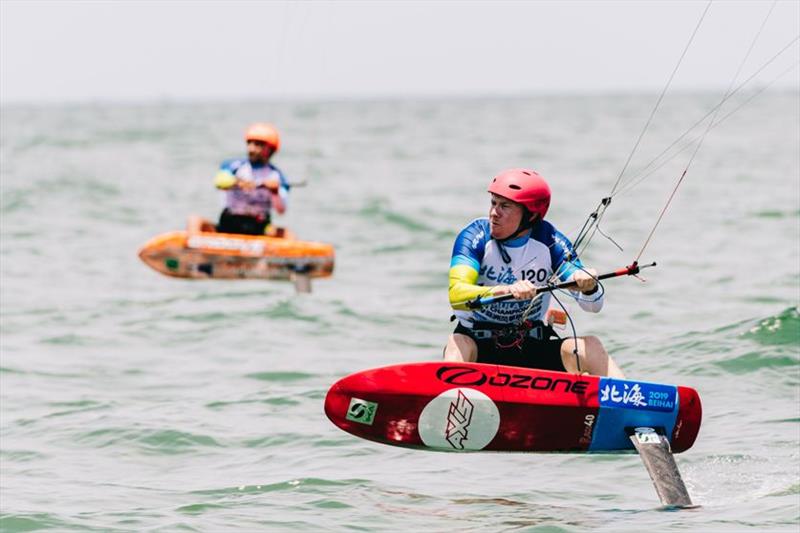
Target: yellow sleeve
{"x":224,"y":180}
{"x":463,"y":288}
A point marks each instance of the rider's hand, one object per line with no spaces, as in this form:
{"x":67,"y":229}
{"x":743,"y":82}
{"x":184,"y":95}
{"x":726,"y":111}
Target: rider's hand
{"x":522,"y":290}
{"x":586,"y":280}
{"x":272,"y":185}
{"x":245,"y":185}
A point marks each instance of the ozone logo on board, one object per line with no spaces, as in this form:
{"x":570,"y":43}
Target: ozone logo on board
{"x":459,"y":419}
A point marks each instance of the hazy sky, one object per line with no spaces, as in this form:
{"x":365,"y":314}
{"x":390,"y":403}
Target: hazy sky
{"x":110,"y":51}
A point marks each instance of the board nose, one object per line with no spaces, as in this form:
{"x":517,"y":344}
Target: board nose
{"x":334,"y":403}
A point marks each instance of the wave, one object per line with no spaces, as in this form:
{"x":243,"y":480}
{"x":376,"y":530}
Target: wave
{"x":377,"y":212}
{"x":776,"y":213}
{"x":33,"y":522}
{"x":778,"y":330}
{"x":743,"y":347}
{"x":149,"y":441}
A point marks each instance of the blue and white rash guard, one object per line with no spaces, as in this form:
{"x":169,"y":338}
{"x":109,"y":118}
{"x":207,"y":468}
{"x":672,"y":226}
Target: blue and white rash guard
{"x":477,"y":265}
{"x":255,"y":202}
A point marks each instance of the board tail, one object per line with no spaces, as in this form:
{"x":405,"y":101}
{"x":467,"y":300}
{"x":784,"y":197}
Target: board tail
{"x":654,"y":449}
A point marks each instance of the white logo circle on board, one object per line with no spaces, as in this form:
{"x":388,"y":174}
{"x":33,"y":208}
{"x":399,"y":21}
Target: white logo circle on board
{"x":459,"y":419}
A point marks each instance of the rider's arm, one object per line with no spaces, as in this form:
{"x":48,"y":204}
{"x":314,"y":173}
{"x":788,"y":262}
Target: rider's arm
{"x":568,"y":265}
{"x":280,"y":193}
{"x":278,"y":202}
{"x":225,"y":178}
{"x":591,"y":301}
{"x":465,"y":265}
{"x":463,"y":286}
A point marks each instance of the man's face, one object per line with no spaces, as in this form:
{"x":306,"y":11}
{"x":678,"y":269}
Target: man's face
{"x":504,"y":217}
{"x":258,"y":151}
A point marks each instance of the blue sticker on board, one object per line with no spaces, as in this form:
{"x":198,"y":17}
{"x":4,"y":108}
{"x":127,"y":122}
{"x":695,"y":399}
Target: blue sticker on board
{"x":637,"y":395}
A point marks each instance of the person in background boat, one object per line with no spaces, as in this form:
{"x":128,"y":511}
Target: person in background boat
{"x":513,"y":251}
{"x":253,"y":186}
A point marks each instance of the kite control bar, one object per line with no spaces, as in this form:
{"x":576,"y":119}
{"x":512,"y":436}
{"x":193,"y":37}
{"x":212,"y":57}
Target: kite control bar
{"x":630,"y":270}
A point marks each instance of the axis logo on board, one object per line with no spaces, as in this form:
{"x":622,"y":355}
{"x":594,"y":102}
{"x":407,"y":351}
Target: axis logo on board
{"x":459,"y":419}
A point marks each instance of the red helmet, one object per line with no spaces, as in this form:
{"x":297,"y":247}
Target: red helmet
{"x":525,"y":187}
{"x":263,"y":132}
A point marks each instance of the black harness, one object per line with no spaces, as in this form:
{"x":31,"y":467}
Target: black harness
{"x":511,"y":335}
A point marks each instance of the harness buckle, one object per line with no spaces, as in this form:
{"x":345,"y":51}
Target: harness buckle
{"x":507,"y":336}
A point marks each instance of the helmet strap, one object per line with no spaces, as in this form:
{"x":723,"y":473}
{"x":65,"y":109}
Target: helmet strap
{"x":526,"y":223}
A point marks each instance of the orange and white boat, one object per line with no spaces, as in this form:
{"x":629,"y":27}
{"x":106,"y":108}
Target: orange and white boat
{"x":203,"y":253}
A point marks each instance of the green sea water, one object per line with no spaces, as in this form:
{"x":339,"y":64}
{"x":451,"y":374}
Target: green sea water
{"x":130,"y":401}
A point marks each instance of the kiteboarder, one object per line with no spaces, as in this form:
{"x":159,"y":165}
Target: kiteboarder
{"x":253,"y":187}
{"x":514,"y":251}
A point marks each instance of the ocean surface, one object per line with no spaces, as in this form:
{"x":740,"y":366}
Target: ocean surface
{"x":130,"y":401}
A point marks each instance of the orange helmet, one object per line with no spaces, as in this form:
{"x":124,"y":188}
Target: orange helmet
{"x":261,"y":131}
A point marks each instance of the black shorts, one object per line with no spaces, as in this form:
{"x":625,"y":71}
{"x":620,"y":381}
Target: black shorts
{"x":544,"y":354}
{"x":242,"y":224}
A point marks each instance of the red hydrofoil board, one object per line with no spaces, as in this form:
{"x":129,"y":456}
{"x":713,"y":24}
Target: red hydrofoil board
{"x":479,"y":407}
